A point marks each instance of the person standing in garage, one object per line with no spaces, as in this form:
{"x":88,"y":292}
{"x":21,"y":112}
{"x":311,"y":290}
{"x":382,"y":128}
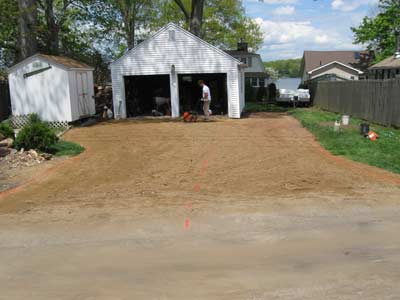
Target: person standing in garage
{"x":206,"y":98}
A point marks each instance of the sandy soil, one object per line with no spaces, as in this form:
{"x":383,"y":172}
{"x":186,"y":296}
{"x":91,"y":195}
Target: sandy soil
{"x":144,"y":163}
{"x":231,"y":209}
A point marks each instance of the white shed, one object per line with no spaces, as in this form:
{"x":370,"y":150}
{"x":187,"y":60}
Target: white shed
{"x":58,"y":89}
{"x":168,"y":65}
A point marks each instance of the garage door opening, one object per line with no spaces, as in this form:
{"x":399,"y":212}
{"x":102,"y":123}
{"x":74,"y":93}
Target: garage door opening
{"x":147,"y":95}
{"x":190,"y":93}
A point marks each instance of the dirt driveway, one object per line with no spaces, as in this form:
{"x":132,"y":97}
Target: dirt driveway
{"x":145,"y":163}
{"x":231,"y":209}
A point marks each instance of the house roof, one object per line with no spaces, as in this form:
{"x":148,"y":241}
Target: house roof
{"x":238,"y":52}
{"x":62,"y":61}
{"x":335,"y":62}
{"x":176,"y":27}
{"x":388,"y":63}
{"x":359,"y":60}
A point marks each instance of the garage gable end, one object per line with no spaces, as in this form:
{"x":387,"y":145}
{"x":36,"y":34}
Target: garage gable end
{"x":174,"y":47}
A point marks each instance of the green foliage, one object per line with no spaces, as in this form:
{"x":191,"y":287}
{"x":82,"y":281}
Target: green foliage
{"x":378,"y":31}
{"x":224,"y":24}
{"x":98,"y":31}
{"x":383,"y":153}
{"x":8,"y":32}
{"x":272,"y":73}
{"x":7,"y":130}
{"x":286,"y":68}
{"x":65,"y":148}
{"x":36,"y":135}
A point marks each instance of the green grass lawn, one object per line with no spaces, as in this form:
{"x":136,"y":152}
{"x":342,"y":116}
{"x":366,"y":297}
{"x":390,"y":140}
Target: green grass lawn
{"x":65,"y":148}
{"x":383,"y":153}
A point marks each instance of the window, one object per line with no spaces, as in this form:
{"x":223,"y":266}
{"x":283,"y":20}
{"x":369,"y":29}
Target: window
{"x":243,"y":60}
{"x":261,"y":82}
{"x":254,"y":82}
{"x":352,"y":77}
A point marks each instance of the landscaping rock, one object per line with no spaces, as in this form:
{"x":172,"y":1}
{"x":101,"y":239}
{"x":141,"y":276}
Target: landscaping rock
{"x":33,"y":153}
{"x":4,"y":151}
{"x":17,"y":159}
{"x":7,"y":143}
{"x":2,"y":137}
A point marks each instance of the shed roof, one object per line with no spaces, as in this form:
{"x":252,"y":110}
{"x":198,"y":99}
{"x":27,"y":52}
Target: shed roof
{"x":356,"y":59}
{"x":389,"y":63}
{"x":62,"y":61}
{"x":66,"y":61}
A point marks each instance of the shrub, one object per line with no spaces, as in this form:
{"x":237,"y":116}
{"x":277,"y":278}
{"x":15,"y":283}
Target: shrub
{"x":7,"y":130}
{"x":36,"y":135}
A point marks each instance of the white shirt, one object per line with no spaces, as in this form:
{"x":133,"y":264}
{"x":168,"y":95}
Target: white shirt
{"x":206,"y":90}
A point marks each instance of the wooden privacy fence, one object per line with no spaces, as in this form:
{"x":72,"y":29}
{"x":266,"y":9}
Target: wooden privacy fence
{"x":5,"y":104}
{"x":377,"y":101}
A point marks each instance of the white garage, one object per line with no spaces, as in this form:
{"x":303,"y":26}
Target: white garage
{"x":58,"y":89}
{"x":168,"y":66}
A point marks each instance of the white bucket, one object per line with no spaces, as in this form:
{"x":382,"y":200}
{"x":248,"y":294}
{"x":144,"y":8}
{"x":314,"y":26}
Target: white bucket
{"x":345,"y":120}
{"x":336,"y":127}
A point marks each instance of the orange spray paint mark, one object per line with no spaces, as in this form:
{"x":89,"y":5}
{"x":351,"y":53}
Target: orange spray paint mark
{"x":197,"y":187}
{"x":187,"y":224}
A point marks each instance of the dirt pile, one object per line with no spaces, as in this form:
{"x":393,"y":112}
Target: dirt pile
{"x":16,"y":159}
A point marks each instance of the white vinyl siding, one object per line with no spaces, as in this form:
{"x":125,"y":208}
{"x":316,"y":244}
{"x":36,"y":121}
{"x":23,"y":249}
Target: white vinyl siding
{"x":52,"y":93}
{"x":187,"y":53}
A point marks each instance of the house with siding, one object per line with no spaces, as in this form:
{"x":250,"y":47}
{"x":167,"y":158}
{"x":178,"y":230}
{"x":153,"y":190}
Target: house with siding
{"x":168,"y":65}
{"x":334,"y":65}
{"x":256,"y":79}
{"x":389,"y":68}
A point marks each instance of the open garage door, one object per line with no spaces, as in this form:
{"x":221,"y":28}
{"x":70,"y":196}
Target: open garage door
{"x":190,"y":93}
{"x":147,"y":95}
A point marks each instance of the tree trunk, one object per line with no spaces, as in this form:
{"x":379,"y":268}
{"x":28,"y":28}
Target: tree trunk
{"x":27,"y":23}
{"x":53,"y":39}
{"x":196,"y":17}
{"x":129,"y":26}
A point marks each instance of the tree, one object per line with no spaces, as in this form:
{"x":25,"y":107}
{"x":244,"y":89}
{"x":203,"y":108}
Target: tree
{"x":286,"y":67}
{"x":224,"y":22}
{"x":27,"y":27}
{"x":9,"y":32}
{"x":378,"y":32}
{"x":272,"y":73}
{"x":193,"y":15}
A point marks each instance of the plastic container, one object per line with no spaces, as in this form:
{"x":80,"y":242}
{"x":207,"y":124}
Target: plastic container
{"x":345,"y":120}
{"x":336,"y":127}
{"x":364,"y":129}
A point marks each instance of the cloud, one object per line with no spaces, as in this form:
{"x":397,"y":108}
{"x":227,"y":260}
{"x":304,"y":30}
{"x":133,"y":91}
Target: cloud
{"x":350,"y":5}
{"x":289,"y":32}
{"x":288,"y":39}
{"x":284,"y":10}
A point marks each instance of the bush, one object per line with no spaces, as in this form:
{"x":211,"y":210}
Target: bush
{"x":7,"y":130}
{"x":36,"y":135}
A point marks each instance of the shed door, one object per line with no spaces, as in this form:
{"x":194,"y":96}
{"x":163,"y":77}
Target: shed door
{"x":82,"y":83}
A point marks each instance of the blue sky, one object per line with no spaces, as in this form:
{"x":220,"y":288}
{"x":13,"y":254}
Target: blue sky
{"x":292,"y":26}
